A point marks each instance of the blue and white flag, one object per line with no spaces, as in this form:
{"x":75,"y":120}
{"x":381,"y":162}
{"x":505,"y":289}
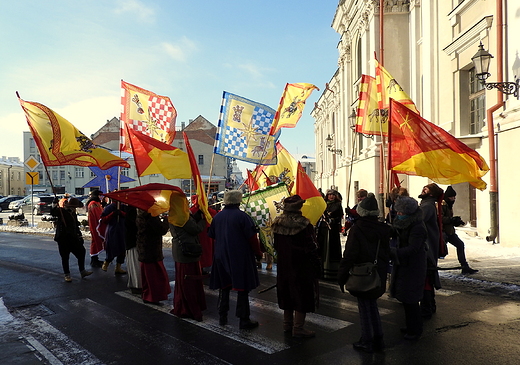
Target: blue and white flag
{"x":243,"y":130}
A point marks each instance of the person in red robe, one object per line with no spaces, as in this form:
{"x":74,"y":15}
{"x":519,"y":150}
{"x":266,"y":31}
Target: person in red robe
{"x":94,"y":210}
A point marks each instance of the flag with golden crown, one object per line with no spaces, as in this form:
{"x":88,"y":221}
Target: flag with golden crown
{"x":418,"y":147}
{"x":243,"y":130}
{"x":199,"y":185}
{"x":291,"y":105}
{"x":60,"y":143}
{"x":147,"y":113}
{"x":155,"y":157}
{"x":367,"y":115}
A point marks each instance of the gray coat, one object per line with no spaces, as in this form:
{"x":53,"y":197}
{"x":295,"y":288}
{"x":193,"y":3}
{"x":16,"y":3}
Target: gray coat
{"x":187,"y":233}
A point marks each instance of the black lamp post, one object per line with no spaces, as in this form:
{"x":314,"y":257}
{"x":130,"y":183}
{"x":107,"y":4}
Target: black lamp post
{"x":481,"y":61}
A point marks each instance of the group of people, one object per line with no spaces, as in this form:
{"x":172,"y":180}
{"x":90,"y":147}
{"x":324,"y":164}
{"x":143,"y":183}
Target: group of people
{"x":412,"y":240}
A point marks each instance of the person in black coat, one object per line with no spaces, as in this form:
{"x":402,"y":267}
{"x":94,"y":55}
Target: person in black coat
{"x":362,"y":246}
{"x":298,"y":266}
{"x":68,"y":236}
{"x":329,"y":228}
{"x":409,"y":259}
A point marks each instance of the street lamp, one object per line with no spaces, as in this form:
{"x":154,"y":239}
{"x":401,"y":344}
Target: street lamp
{"x":330,"y":145}
{"x":481,"y":61}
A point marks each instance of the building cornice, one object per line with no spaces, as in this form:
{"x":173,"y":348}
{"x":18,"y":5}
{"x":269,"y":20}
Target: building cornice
{"x":468,"y":38}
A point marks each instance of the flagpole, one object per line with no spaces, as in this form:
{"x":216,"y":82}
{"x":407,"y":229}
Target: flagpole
{"x":382,"y":145}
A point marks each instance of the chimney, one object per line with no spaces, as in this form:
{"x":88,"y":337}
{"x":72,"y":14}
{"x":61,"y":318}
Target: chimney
{"x":183,"y":125}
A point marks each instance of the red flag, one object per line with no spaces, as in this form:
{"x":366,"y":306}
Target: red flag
{"x":155,"y":157}
{"x":155,"y":199}
{"x":314,"y":205}
{"x":418,"y":147}
{"x":199,"y":186}
{"x":251,"y":181}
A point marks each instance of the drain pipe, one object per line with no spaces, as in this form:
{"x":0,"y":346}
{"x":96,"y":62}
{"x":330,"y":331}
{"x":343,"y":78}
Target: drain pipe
{"x":493,"y":189}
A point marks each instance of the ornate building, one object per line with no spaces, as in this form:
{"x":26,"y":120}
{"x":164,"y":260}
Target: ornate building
{"x":427,"y":46}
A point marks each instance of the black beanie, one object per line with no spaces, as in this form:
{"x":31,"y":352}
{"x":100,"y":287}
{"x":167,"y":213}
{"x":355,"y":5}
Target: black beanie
{"x":449,"y":192}
{"x":368,"y":206}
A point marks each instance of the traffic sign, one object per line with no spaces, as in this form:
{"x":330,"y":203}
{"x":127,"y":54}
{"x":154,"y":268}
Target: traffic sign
{"x":31,"y":163}
{"x":32,"y":178}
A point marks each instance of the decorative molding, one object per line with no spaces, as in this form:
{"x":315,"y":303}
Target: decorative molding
{"x":469,"y":37}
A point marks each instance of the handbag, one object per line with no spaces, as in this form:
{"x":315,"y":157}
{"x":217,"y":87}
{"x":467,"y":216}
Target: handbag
{"x":364,"y":277}
{"x":190,"y":249}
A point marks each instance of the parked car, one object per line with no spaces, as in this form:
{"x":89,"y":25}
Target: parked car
{"x":37,"y":205}
{"x":83,"y":209}
{"x":15,"y":205}
{"x":5,"y":201}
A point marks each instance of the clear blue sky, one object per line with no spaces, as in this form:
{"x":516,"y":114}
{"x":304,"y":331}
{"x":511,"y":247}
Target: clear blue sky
{"x":71,"y":55}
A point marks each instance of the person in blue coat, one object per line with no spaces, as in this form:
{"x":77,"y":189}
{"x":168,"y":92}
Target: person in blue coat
{"x":236,"y":249}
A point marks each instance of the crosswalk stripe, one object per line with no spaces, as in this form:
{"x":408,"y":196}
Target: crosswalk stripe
{"x":249,"y":338}
{"x":326,"y":324}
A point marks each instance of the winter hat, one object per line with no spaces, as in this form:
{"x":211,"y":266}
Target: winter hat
{"x":435,"y":190}
{"x":450,"y":192}
{"x":293,"y":203}
{"x":406,"y":205}
{"x":73,"y":203}
{"x":368,"y":206}
{"x":232,"y":197}
{"x":332,"y":191}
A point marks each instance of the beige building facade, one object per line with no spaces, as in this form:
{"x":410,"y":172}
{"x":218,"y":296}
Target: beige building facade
{"x":427,"y":46}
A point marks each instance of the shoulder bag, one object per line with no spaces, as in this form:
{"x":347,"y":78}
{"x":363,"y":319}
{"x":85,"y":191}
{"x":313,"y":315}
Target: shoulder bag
{"x":364,"y":277}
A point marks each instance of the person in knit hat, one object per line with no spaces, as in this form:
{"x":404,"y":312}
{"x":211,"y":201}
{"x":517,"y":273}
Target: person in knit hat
{"x":298,"y":266}
{"x":431,"y":199}
{"x":234,"y":266}
{"x":362,"y":244}
{"x":409,"y":263}
{"x":449,"y":222}
{"x":329,"y":230}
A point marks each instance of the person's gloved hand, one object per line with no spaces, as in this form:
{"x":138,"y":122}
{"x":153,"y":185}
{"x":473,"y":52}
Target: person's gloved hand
{"x":457,"y":221}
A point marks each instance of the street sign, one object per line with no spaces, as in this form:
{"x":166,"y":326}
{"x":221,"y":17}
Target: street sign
{"x":32,"y":178}
{"x":31,"y":163}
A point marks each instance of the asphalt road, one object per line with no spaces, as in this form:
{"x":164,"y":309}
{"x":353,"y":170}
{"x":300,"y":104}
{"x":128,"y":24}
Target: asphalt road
{"x":98,"y":321}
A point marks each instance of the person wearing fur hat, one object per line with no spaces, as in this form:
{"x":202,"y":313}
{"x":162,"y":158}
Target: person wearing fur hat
{"x":329,"y":229}
{"x":298,"y":266}
{"x":449,"y":222}
{"x":234,"y":266}
{"x":409,"y":263}
{"x":361,"y":246}
{"x":431,"y":200}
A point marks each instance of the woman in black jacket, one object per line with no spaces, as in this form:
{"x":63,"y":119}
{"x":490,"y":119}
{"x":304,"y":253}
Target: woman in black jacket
{"x":409,"y":268}
{"x":361,"y":246}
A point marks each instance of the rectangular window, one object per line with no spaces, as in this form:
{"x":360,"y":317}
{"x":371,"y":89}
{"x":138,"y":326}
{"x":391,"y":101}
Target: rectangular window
{"x":477,"y":103}
{"x":62,"y":174}
{"x":201,"y":159}
{"x":78,"y":172}
{"x":125,"y":171}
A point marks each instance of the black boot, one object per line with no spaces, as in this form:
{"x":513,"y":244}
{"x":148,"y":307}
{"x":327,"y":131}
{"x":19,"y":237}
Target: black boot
{"x":365,"y":346}
{"x":468,"y":270}
{"x":94,"y":262}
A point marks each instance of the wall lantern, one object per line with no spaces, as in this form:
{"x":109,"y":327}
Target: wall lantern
{"x":481,"y":61}
{"x":330,"y":144}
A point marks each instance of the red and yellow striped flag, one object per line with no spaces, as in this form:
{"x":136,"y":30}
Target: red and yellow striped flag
{"x":418,"y":147}
{"x":367,"y":116}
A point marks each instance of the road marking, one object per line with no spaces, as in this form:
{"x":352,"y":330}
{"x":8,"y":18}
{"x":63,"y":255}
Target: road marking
{"x":249,"y":338}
